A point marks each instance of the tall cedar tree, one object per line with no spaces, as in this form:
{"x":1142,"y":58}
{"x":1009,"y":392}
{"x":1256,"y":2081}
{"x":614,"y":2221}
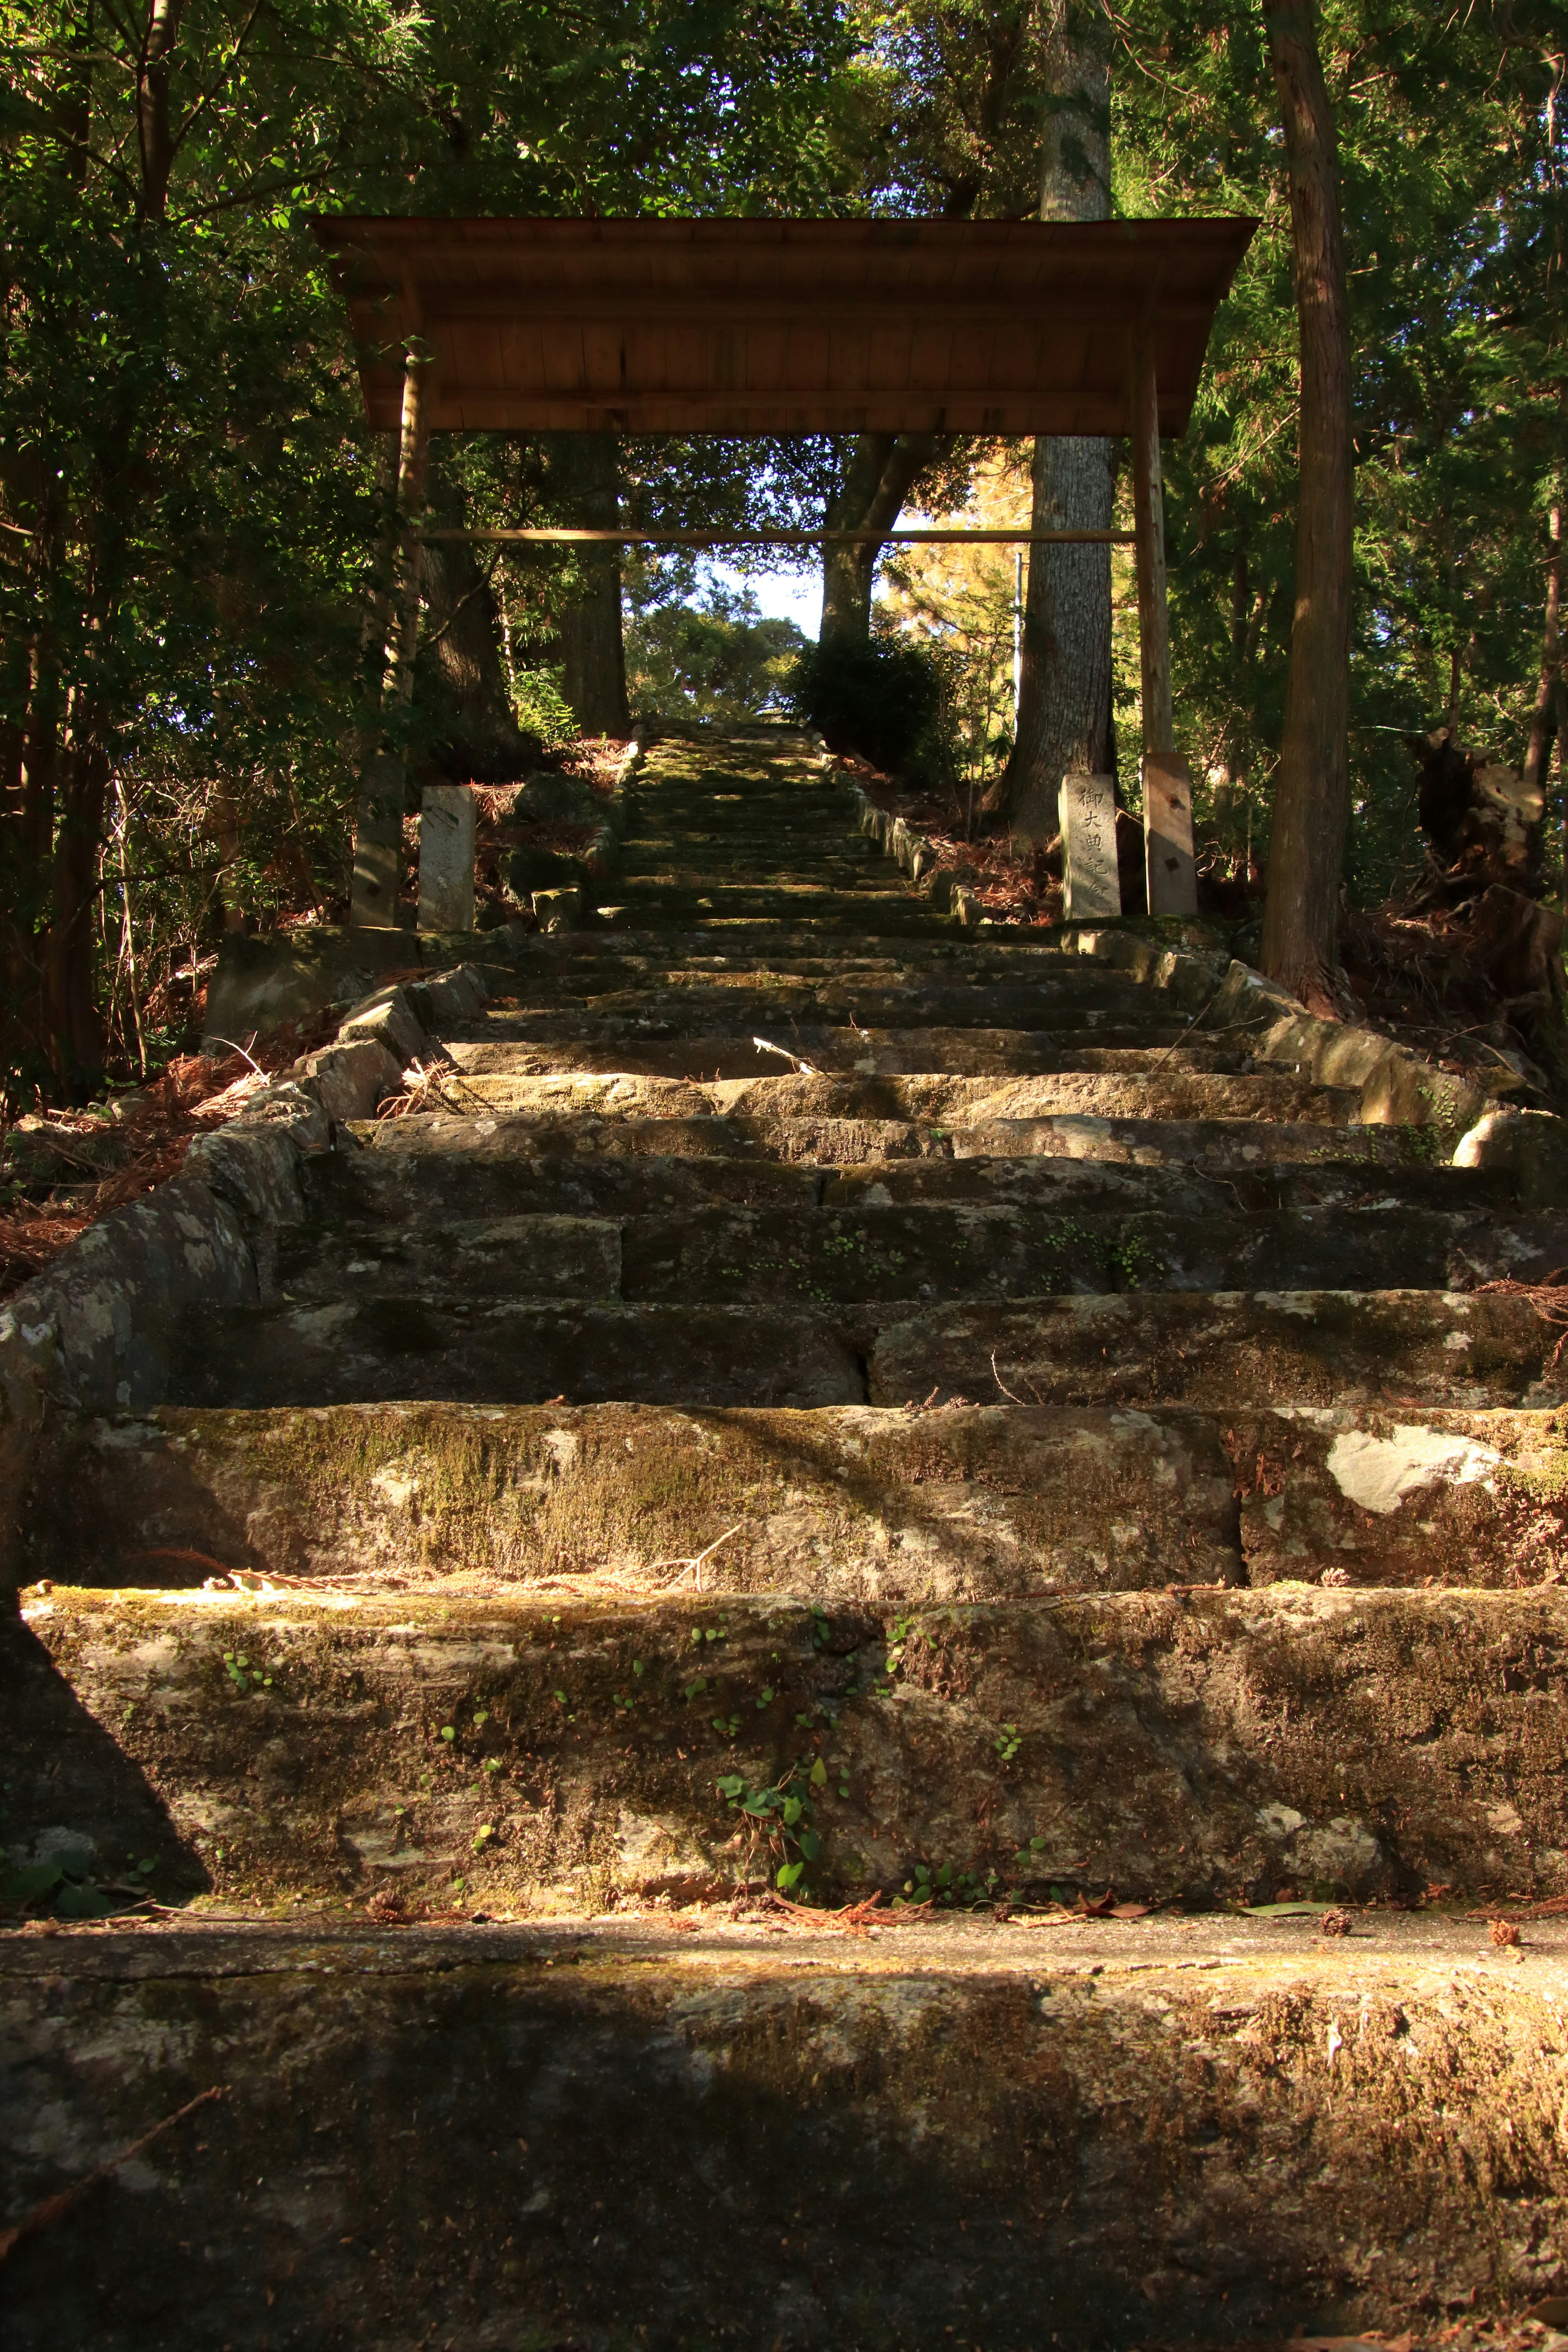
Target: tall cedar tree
{"x":1311,"y":790}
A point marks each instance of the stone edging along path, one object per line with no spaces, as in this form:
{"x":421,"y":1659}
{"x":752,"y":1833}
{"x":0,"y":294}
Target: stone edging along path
{"x":1397,"y":1087}
{"x":93,"y":1333}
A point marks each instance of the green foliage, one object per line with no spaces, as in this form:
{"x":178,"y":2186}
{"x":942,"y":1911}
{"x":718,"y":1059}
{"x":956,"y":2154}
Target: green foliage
{"x":716,"y":660}
{"x":882,"y":697}
{"x":542,"y":710}
{"x":1451,"y":158}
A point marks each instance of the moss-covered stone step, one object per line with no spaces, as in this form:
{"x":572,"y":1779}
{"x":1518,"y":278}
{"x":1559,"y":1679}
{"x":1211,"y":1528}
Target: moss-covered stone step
{"x":431,"y":1168}
{"x":1181,"y":1187}
{"x":948,"y":2132}
{"x":966,"y":1249}
{"x":849,"y":1503}
{"x":1221,"y":1149}
{"x":931,"y":1096}
{"x":624,"y":1045}
{"x":1229,"y":1349}
{"x":373,"y":1347}
{"x":1191,"y":1747}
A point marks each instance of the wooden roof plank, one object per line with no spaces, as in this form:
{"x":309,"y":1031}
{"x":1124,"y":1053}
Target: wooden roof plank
{"x":782,"y":326}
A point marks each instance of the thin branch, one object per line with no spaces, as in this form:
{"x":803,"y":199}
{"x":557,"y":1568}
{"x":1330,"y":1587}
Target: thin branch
{"x":53,"y":2208}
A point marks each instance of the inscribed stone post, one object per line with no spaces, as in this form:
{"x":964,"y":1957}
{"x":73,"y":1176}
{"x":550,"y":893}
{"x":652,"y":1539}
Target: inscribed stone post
{"x":1092,"y":886}
{"x":1168,"y":834}
{"x":446,"y":822}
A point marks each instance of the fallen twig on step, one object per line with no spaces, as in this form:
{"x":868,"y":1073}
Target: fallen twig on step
{"x":797,"y":1062}
{"x":693,"y":1567}
{"x":851,"y":1921}
{"x":63,"y":2200}
{"x":1002,"y":1383}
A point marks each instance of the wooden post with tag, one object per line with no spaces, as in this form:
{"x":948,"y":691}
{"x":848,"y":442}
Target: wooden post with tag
{"x":1167,"y":783}
{"x":378,"y":826}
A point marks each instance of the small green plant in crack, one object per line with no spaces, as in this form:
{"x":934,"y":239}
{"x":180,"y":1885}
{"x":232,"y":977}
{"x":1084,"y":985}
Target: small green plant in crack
{"x":243,"y":1674}
{"x":1008,"y":1745}
{"x":941,"y":1885}
{"x":1130,"y":1264}
{"x":781,"y":1815}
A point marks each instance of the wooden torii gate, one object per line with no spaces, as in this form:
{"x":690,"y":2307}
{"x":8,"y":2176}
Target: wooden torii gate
{"x":750,"y":327}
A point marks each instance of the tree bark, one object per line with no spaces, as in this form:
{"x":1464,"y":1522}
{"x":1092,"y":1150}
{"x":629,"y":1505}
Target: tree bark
{"x":470,"y":728}
{"x":592,"y":647}
{"x":1311,"y":792}
{"x":1543,"y":717}
{"x":882,"y":470}
{"x":154,"y":135}
{"x":1064,"y":700}
{"x":76,"y":1027}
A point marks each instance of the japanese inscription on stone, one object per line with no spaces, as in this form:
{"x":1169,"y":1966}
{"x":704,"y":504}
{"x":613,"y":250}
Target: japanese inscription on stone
{"x":1091,"y":884}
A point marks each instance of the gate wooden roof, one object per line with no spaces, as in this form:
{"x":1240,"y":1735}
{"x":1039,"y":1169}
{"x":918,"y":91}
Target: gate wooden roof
{"x":770,"y":326}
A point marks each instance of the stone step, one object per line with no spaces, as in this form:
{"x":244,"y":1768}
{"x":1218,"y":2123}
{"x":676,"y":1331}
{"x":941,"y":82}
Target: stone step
{"x":1194,"y":2131}
{"x":876,"y":911}
{"x":977,"y":1250}
{"x":1225,"y":1351}
{"x":428,"y":1167}
{"x":1224,"y":1149}
{"x":553,"y":1005}
{"x":703,"y":1004}
{"x":932,"y":1097}
{"x":993,"y":1053}
{"x":1392,"y":1348}
{"x":847,"y":1504}
{"x":376,"y":1349}
{"x":1195,"y":1747}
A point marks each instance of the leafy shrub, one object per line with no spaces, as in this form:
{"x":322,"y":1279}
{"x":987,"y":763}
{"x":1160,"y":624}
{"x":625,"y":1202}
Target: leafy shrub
{"x":884,"y":697}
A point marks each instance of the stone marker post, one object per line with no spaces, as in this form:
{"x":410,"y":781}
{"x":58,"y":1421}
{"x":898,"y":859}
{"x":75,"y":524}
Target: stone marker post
{"x":446,"y":822}
{"x":1092,"y":883}
{"x":1168,"y":834}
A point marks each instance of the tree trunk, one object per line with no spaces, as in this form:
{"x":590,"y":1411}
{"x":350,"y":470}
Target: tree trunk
{"x":76,"y":1027}
{"x":471,"y":729}
{"x":1543,"y":717}
{"x":882,"y":470}
{"x":592,"y":647}
{"x":1311,"y":792}
{"x":1064,"y":701}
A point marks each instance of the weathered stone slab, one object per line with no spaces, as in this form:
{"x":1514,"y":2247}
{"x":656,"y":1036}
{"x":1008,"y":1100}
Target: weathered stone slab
{"x":1076,"y":2139}
{"x":1229,"y":1349}
{"x":530,"y":1257}
{"x":1092,"y":884}
{"x":394,"y":1345}
{"x":389,"y":1020}
{"x":956,"y":1100}
{"x":352,"y":1080}
{"x":848,"y":1501}
{"x":447,"y":827}
{"x":1195,"y":1746}
{"x":1401,"y":1498}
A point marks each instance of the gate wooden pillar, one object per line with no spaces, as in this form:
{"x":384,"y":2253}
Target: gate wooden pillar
{"x":378,"y":828}
{"x":1167,"y":783}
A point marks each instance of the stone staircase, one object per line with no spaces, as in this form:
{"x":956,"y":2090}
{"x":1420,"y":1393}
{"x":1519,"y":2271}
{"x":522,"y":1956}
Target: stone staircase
{"x":746,"y":1682}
